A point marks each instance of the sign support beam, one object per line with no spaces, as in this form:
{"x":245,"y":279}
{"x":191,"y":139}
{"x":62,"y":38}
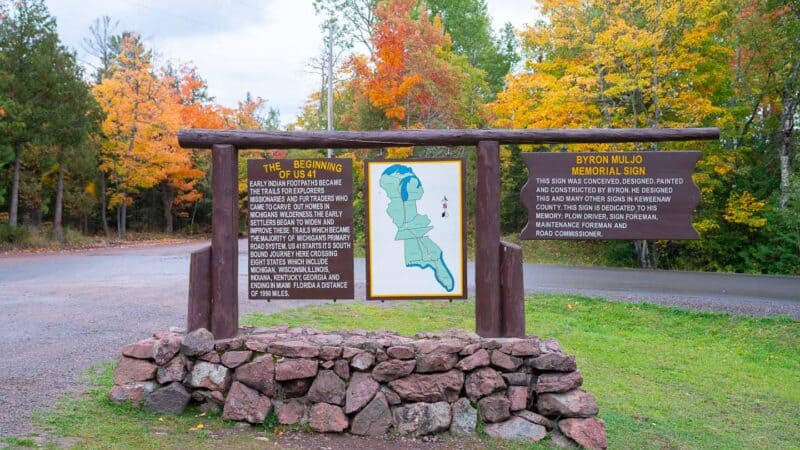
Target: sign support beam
{"x":224,"y":242}
{"x":488,"y":308}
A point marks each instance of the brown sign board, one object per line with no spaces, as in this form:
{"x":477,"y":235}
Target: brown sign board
{"x":300,"y":242}
{"x":622,"y":195}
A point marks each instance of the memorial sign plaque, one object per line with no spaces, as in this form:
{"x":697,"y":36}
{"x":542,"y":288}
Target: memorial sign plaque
{"x":627,"y":195}
{"x":300,"y":243}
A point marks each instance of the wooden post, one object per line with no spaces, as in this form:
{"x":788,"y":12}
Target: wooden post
{"x":224,"y":242}
{"x":512,"y":290}
{"x":199,"y":315}
{"x":488,"y":319}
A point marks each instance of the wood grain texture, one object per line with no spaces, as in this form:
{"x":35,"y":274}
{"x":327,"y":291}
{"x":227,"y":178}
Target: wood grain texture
{"x":488,"y":313}
{"x":512,"y":290}
{"x":197,"y":138}
{"x":224,"y":242}
{"x":199,"y":314}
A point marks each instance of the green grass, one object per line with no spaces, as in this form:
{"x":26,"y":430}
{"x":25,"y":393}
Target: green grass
{"x":663,"y":377}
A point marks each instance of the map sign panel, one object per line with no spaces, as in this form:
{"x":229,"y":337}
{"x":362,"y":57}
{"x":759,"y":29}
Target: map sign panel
{"x":300,"y":244}
{"x":415,"y":229}
{"x":624,"y":195}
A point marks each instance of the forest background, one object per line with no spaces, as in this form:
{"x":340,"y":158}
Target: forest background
{"x":93,"y":150}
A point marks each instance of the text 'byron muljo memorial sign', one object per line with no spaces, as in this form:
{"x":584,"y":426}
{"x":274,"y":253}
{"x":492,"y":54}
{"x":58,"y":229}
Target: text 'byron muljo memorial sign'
{"x":300,"y":243}
{"x":628,"y":195}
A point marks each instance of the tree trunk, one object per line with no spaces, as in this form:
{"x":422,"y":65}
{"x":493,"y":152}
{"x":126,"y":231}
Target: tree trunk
{"x":14,"y":209}
{"x":58,"y":225}
{"x":791,"y":96}
{"x":167,"y":197}
{"x":103,"y":204}
{"x":122,"y":215}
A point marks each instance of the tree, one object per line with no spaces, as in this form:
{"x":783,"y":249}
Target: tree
{"x":140,"y":128}
{"x":654,"y":63}
{"x":470,"y":28}
{"x":73,"y":117}
{"x":28,"y":45}
{"x":103,"y":44}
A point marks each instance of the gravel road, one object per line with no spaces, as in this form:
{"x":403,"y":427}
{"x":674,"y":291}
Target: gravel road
{"x":64,"y":312}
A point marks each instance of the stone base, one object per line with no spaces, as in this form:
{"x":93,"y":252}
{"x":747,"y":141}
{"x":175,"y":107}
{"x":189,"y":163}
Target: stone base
{"x":366,"y":383}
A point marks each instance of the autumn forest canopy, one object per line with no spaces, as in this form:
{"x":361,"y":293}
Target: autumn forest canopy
{"x":93,"y":149}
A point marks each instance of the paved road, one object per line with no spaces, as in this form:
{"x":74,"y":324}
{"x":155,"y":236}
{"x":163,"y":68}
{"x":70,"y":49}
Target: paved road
{"x":64,"y":312}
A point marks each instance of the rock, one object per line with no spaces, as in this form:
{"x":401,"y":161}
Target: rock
{"x":483,"y":382}
{"x":342,"y":368}
{"x":349,"y":352}
{"x":143,"y":349}
{"x":401,"y":352}
{"x":465,"y":418}
{"x":551,"y":345}
{"x":244,"y":403}
{"x":532,"y":417}
{"x":575,"y":403}
{"x":422,"y":419}
{"x":166,"y":348}
{"x":381,"y":356}
{"x":374,"y":420}
{"x":325,"y":418}
{"x":236,"y":358}
{"x":329,"y":353}
{"x":558,"y":382}
{"x":470,"y":349}
{"x":294,"y":388}
{"x":480,"y":358}
{"x":293,"y":369}
{"x":589,"y":433}
{"x":175,"y":370}
{"x":327,"y":388}
{"x":330,"y":340}
{"x":391,"y":396}
{"x":212,"y":357}
{"x":230,"y":344}
{"x":429,"y":387}
{"x":426,"y":346}
{"x":517,"y":429}
{"x":505,"y":361}
{"x":393,"y":369}
{"x":362,"y":361}
{"x":291,"y":412}
{"x":327,"y":365}
{"x":170,"y":399}
{"x":436,"y":362}
{"x":559,"y":440}
{"x":256,"y":345}
{"x":516,"y":378}
{"x":360,"y":391}
{"x":555,"y":362}
{"x":132,"y":392}
{"x":197,"y":342}
{"x":259,"y":374}
{"x":206,"y":375}
{"x":495,"y":408}
{"x":294,"y":349}
{"x":528,"y":347}
{"x":131,"y":370}
{"x":204,"y":395}
{"x":518,"y":396}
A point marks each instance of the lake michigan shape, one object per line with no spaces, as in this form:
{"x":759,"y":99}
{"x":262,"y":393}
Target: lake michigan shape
{"x":404,"y":189}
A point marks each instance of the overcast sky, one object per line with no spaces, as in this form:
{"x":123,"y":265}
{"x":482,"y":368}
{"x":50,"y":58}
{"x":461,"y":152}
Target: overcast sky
{"x":261,"y":46}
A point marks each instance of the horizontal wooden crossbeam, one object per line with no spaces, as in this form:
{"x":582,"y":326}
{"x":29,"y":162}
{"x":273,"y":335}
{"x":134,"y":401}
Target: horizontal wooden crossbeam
{"x":249,"y":139}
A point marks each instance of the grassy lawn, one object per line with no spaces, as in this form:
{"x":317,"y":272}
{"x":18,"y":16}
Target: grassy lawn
{"x":663,"y":377}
